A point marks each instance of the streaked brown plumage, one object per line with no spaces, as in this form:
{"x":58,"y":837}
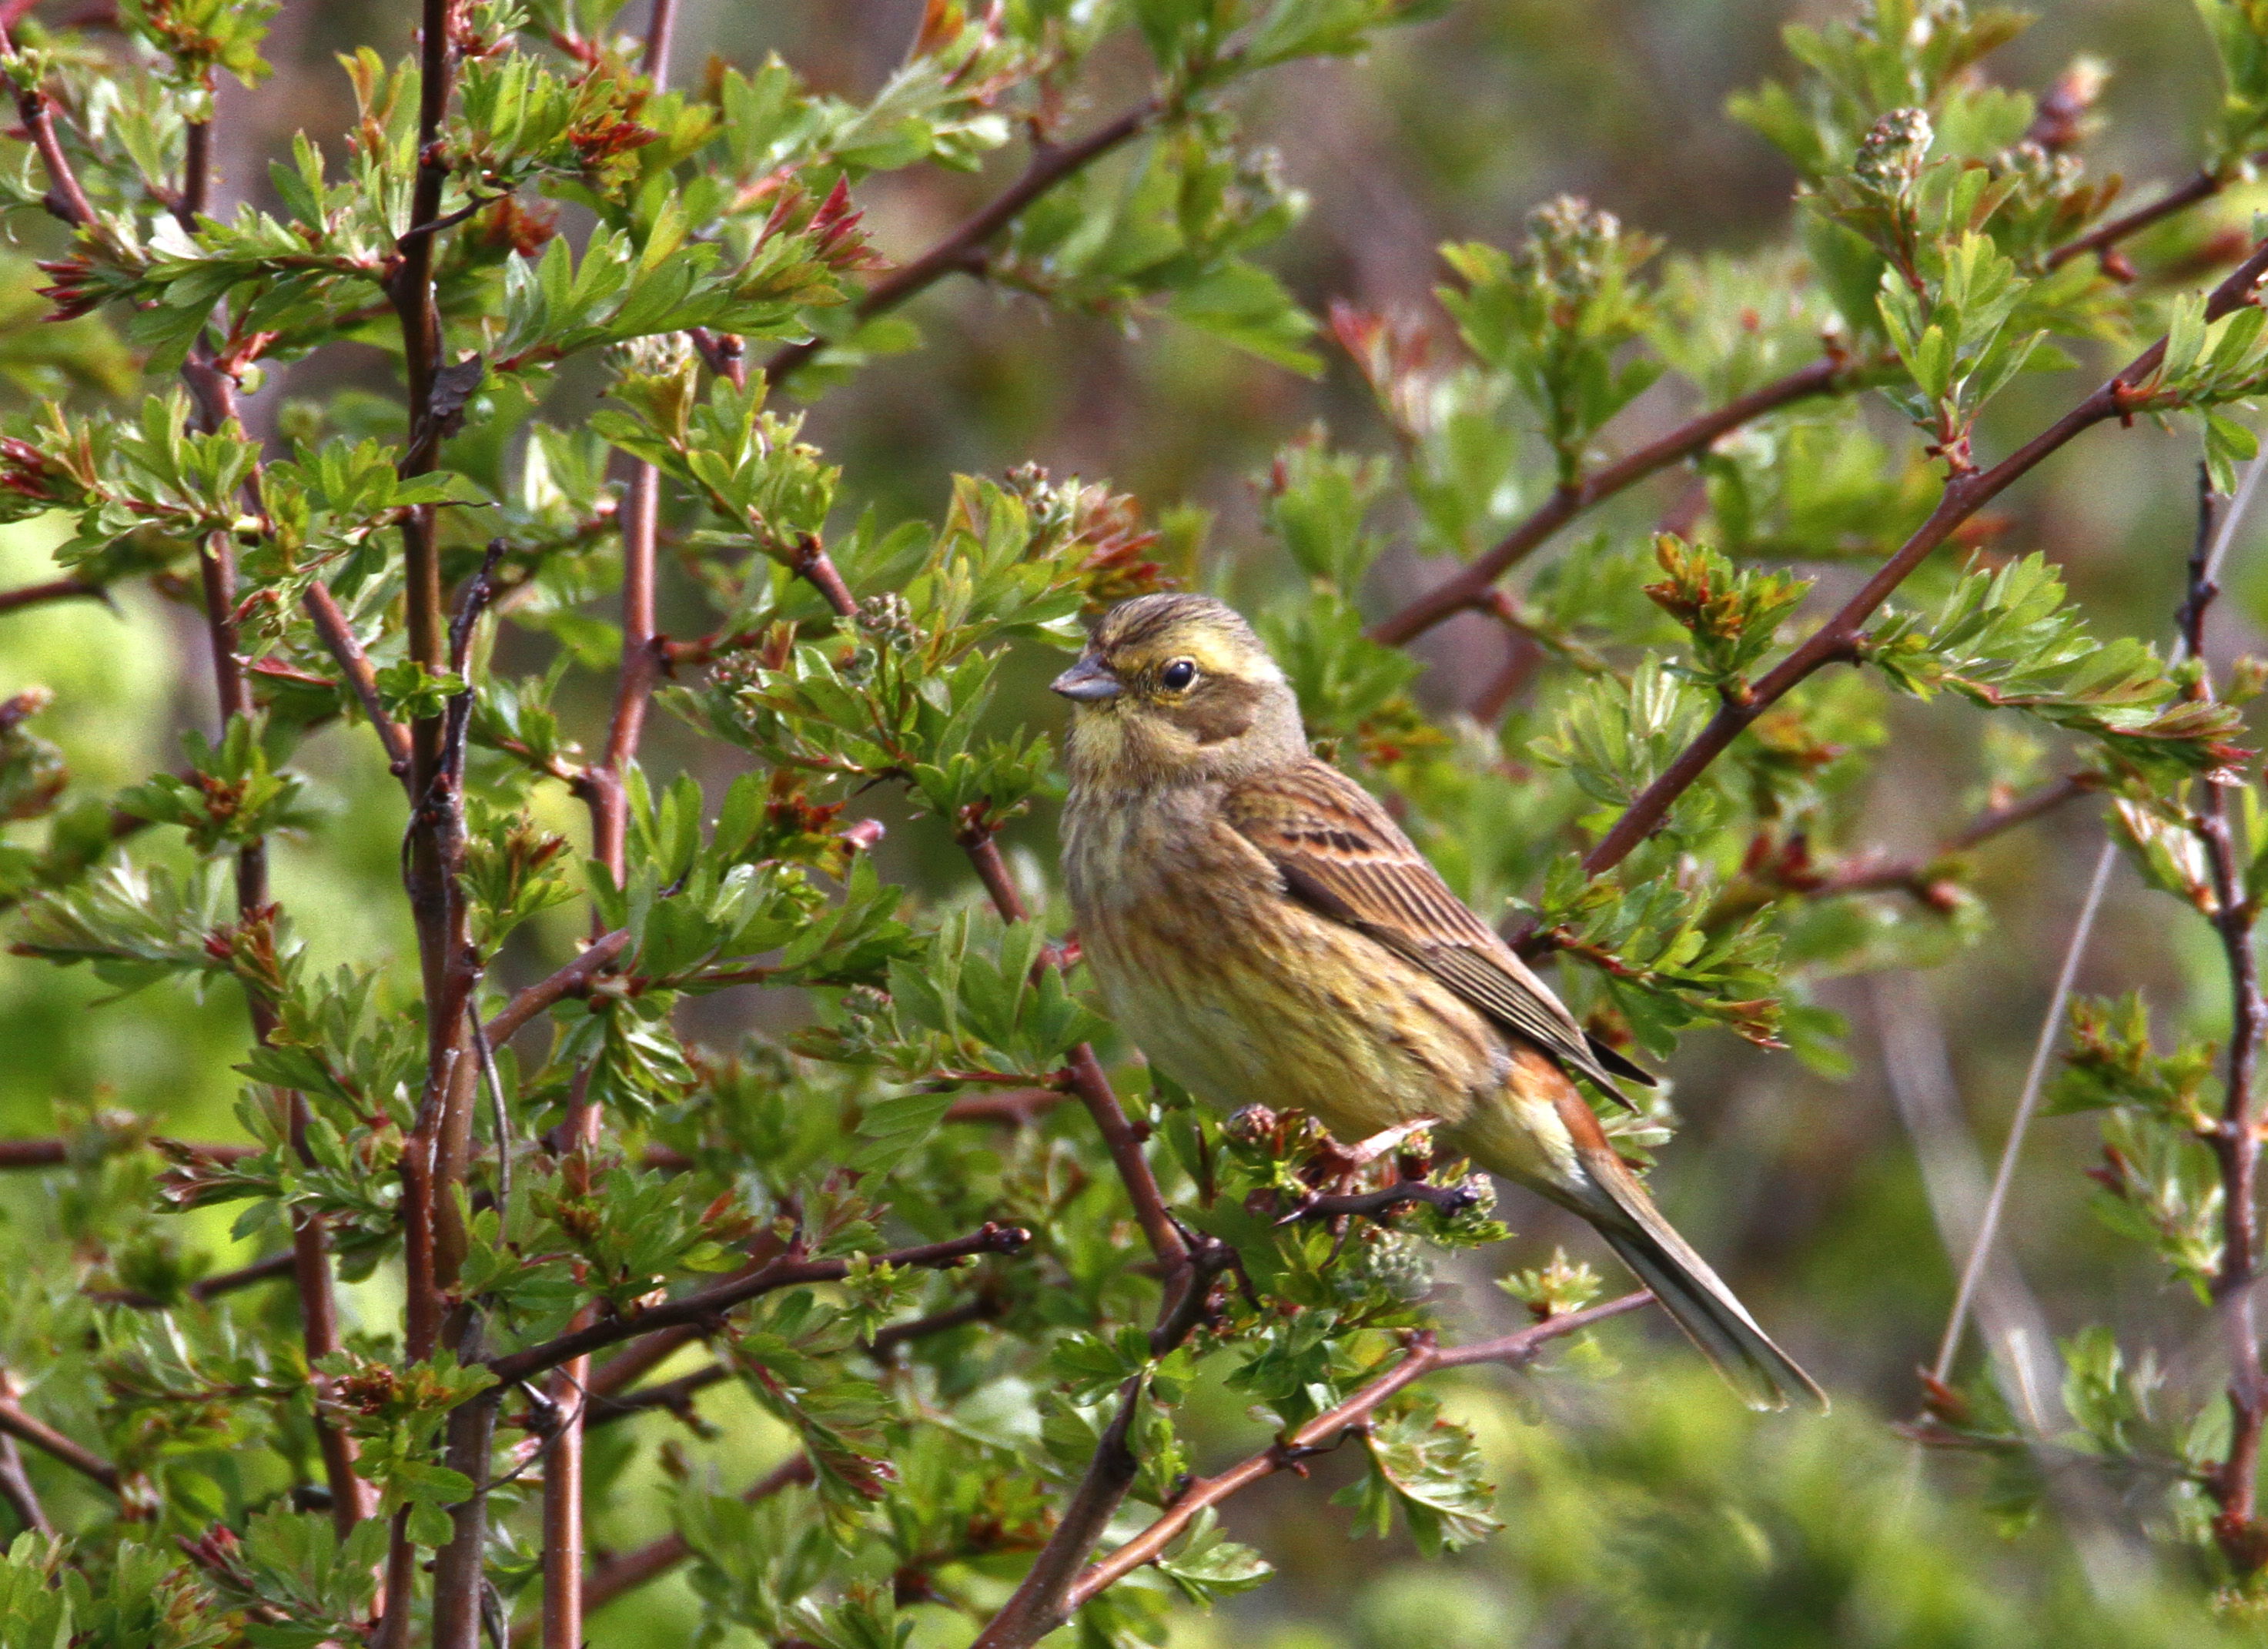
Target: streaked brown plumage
{"x":1268,"y":935}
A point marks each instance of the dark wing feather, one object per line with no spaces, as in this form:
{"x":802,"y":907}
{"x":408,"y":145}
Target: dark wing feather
{"x":1341,"y":855}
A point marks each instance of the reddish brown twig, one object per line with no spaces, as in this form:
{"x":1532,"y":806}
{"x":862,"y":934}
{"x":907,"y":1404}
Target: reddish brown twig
{"x":2100,"y":239}
{"x":1085,"y":1073}
{"x":1460,"y":592}
{"x":338,"y":639}
{"x":1036,"y":1610}
{"x":2234,"y":1138}
{"x":213,"y":396}
{"x":52,"y":590}
{"x":1837,"y":640}
{"x":15,"y":1489}
{"x":572,"y":981}
{"x":602,"y":790}
{"x":1457,"y":593}
{"x":1019,"y":1108}
{"x":1426,"y":1357}
{"x":65,"y":198}
{"x":676,"y":1396}
{"x":710,"y":1304}
{"x":437,"y":1152}
{"x":284,"y":1264}
{"x":962,"y":249}
{"x":26,"y":1428}
{"x":50,"y":1153}
{"x":631,"y":1569}
{"x":1917,"y":876}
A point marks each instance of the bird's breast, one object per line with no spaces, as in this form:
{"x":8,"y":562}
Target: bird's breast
{"x":1247,"y":997}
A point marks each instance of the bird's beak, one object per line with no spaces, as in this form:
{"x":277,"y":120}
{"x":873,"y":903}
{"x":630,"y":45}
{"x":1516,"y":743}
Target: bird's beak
{"x":1089,"y":681}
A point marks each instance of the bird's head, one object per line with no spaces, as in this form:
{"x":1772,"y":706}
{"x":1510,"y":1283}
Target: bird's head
{"x":1176,"y":689}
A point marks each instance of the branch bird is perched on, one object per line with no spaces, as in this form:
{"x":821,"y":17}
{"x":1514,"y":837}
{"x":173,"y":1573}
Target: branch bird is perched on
{"x":1266,"y":933}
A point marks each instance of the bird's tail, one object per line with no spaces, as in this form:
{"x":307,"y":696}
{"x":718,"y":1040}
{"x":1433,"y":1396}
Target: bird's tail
{"x":1694,"y":1297}
{"x":1699,"y":1302}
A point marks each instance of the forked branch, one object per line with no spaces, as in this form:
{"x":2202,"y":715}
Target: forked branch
{"x":1837,"y":639}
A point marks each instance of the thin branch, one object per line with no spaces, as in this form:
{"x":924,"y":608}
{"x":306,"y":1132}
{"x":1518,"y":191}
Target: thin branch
{"x":66,"y":199}
{"x":1039,"y":1602}
{"x":661,"y":23}
{"x":26,"y":1428}
{"x":15,"y":1489}
{"x":1837,"y":639}
{"x":435,"y":1154}
{"x":52,"y":1154}
{"x":573,"y":980}
{"x":2235,"y":1139}
{"x":1448,"y":1199}
{"x":52,"y":590}
{"x":1055,"y":1589}
{"x":213,"y":393}
{"x":2209,"y":549}
{"x":1921,"y":1082}
{"x":1018,"y":1107}
{"x":338,"y":637}
{"x":1919,"y":876}
{"x":676,"y":1396}
{"x":210,"y":1288}
{"x":1912,"y":875}
{"x":1460,"y":592}
{"x":1972,"y":1271}
{"x":633,"y":1569}
{"x":1085,"y":1074}
{"x":2099,"y":240}
{"x":648,"y":1352}
{"x":1696,"y":435}
{"x":983,"y":1308}
{"x":710,"y":1304}
{"x":962,"y":249}
{"x":1513,"y":1351}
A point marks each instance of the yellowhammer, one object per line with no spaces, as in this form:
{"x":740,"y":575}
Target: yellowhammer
{"x":1268,"y":935}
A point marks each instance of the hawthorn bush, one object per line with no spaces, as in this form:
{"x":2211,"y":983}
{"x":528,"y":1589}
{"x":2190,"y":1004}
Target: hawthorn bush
{"x":545,"y":1065}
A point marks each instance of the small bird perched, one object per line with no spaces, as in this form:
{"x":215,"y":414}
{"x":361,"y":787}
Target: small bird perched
{"x":1267,"y":934}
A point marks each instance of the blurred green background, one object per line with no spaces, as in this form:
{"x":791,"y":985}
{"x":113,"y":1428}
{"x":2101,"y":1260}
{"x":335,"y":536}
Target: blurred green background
{"x":1651,"y":1510}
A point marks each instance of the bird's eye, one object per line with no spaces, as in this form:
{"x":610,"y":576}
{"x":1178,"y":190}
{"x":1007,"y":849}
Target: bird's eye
{"x":1177,"y":675}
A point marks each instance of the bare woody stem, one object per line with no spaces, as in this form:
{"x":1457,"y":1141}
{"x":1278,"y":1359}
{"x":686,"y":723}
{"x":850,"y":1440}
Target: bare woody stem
{"x":1463,"y":592}
{"x":2099,"y":240}
{"x":213,"y":394}
{"x":572,"y":980}
{"x":25,"y":1428}
{"x":631,"y":1569}
{"x":66,"y":199}
{"x":15,"y":1489}
{"x":1087,"y":1079}
{"x":339,"y":640}
{"x":52,"y":590}
{"x":1908,"y":874}
{"x":435,"y":1156}
{"x":1083,"y":1071}
{"x":2236,"y":1140}
{"x":1037,"y":1609}
{"x":1837,"y":640}
{"x":602,"y":788}
{"x":430,"y":876}
{"x":963,"y":249}
{"x":709,"y":1304}
{"x":1460,"y":592}
{"x":208,"y":1288}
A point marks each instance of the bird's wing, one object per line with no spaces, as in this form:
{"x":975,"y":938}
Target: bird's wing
{"x":1340,"y":855}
